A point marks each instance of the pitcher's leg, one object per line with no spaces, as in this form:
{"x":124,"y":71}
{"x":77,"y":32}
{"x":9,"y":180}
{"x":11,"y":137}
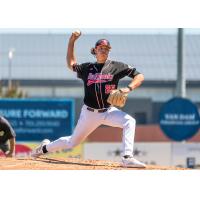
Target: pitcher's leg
{"x":79,"y":134}
{"x":118,"y":118}
{"x":59,"y":144}
{"x":128,"y":135}
{"x":87,"y":123}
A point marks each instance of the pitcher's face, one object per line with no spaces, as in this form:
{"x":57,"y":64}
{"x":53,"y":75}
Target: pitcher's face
{"x":102,"y":52}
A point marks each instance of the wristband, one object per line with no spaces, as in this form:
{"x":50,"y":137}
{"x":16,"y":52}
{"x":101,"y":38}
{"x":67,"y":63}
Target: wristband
{"x":130,"y":88}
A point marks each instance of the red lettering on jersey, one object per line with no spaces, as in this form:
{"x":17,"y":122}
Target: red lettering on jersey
{"x":99,"y":78}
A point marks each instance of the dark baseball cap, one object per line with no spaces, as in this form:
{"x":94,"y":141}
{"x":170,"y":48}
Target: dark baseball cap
{"x":103,"y":42}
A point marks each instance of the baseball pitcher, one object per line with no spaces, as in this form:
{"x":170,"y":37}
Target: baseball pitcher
{"x":101,"y":99}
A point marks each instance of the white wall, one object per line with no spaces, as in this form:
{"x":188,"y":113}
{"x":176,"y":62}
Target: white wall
{"x":163,"y":153}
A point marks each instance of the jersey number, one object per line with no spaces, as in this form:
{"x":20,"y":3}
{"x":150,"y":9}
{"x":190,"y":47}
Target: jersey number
{"x":109,"y":88}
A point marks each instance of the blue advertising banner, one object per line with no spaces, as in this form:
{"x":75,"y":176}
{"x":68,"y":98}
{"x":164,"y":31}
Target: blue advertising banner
{"x":179,"y":119}
{"x":37,"y":119}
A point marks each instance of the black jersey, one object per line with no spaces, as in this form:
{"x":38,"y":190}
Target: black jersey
{"x":6,"y":131}
{"x":99,"y":79}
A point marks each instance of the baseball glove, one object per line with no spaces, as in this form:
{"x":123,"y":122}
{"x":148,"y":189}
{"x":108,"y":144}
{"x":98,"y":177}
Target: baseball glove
{"x":117,"y":98}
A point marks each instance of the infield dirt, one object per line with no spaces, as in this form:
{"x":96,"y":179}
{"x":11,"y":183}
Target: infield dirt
{"x":44,"y":163}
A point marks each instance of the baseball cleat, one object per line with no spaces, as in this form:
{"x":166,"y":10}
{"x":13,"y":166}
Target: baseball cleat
{"x":37,"y":152}
{"x":132,"y":162}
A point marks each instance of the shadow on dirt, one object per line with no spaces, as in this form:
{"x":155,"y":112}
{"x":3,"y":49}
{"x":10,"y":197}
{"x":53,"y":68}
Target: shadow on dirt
{"x":56,"y":161}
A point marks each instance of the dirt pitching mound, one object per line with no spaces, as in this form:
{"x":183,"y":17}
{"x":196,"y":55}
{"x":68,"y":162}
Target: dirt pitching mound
{"x":68,"y":164}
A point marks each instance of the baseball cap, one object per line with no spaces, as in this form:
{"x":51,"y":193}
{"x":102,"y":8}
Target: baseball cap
{"x":103,"y":42}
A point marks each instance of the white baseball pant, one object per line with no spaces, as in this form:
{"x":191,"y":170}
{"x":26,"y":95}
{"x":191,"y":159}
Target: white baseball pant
{"x":89,"y":121}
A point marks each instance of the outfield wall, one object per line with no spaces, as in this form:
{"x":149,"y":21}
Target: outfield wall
{"x":152,"y":153}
